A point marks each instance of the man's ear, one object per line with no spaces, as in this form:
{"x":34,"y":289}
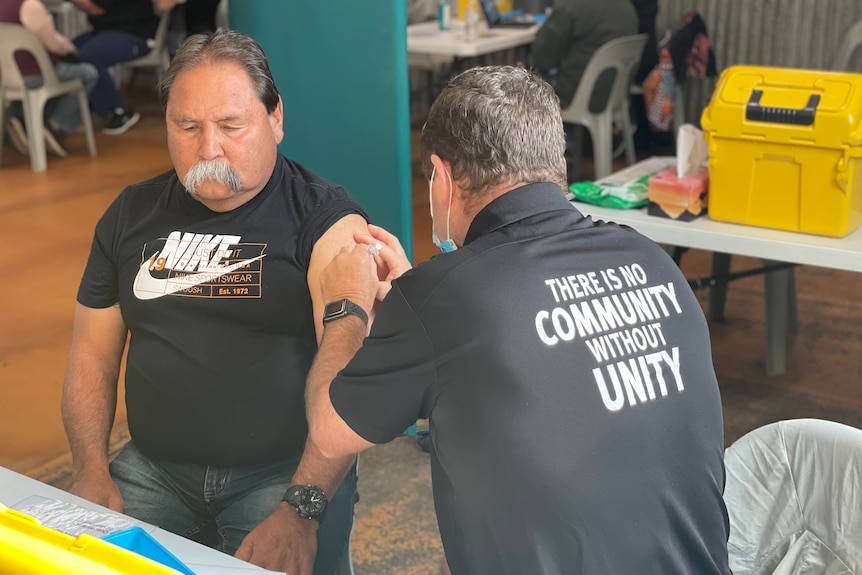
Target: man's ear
{"x":443,"y":173}
{"x":276,"y":120}
{"x":438,"y":164}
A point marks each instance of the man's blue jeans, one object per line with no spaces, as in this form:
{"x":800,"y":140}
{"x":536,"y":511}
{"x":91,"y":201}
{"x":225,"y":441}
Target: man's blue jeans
{"x":219,"y":506}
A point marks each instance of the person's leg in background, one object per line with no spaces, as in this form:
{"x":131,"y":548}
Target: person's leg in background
{"x":103,"y":50}
{"x":62,"y":114}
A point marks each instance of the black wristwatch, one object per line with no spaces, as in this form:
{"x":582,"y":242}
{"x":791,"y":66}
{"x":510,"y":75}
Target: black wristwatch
{"x":309,"y":501}
{"x":341,"y":308}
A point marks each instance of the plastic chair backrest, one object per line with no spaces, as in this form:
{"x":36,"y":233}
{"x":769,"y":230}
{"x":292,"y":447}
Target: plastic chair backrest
{"x":603,"y":88}
{"x":613,"y":63}
{"x":851,"y":41}
{"x":793,"y":490}
{"x":15,"y":38}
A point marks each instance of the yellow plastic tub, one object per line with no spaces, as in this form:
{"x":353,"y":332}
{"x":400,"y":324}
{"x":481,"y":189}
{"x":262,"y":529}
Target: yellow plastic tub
{"x":785,"y":148}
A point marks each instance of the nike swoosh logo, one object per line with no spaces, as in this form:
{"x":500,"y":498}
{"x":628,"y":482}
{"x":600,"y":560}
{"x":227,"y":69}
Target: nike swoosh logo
{"x":147,"y":287}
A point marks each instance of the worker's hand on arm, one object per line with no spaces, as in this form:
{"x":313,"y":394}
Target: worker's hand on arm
{"x":351,"y":274}
{"x":390,"y":257}
{"x":338,"y":236}
{"x":90,"y":400}
{"x":283,"y":542}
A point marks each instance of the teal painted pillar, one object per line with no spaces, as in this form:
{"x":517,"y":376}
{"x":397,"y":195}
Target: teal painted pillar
{"x":341,"y":69}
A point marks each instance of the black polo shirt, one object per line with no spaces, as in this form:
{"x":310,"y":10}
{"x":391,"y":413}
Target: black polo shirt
{"x":575,"y":418}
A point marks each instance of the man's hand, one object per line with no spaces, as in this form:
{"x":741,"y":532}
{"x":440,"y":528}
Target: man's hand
{"x":283,"y":542}
{"x":391,"y":259}
{"x":98,"y":488}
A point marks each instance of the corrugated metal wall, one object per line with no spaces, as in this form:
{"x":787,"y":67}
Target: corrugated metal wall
{"x":787,"y":33}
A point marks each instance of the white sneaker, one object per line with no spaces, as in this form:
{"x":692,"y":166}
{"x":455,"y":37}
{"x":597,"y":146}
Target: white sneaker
{"x":18,"y":135}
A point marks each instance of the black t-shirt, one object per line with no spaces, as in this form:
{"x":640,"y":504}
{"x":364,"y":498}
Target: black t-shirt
{"x":575,"y":417}
{"x":219,"y":313}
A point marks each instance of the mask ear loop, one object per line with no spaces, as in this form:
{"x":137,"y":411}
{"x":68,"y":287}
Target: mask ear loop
{"x":430,"y":192}
{"x":449,"y":209}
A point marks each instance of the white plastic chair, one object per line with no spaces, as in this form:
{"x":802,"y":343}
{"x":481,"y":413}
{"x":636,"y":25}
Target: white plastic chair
{"x":793,"y":498}
{"x":851,"y":41}
{"x":157,"y":58}
{"x":604,"y":89}
{"x":14,"y":38}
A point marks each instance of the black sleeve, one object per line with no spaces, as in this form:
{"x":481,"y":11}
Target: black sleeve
{"x":328,"y":210}
{"x":388,"y":384}
{"x":99,"y":287}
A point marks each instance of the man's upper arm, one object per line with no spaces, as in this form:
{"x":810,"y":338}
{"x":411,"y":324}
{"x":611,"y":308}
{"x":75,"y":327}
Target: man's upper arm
{"x":339,"y":235}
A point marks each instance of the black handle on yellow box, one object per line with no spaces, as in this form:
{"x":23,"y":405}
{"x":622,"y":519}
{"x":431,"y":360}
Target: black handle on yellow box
{"x":796,"y":116}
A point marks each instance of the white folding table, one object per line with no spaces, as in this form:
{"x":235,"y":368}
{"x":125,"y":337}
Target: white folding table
{"x":438,"y":54}
{"x":427,"y":39}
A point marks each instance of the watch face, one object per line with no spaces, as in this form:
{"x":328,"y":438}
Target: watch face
{"x":314,"y":502}
{"x":334,"y":308}
{"x":308,"y":500}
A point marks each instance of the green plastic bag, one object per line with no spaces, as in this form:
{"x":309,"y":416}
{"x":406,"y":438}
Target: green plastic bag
{"x":627,"y":196}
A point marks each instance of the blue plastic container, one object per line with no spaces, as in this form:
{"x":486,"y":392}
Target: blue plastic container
{"x":137,"y":540}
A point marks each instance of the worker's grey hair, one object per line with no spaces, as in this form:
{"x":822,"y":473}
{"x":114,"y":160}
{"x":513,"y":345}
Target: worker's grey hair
{"x":497,"y":125}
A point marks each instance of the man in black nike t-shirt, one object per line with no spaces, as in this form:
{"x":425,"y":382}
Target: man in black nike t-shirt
{"x":211,"y":272}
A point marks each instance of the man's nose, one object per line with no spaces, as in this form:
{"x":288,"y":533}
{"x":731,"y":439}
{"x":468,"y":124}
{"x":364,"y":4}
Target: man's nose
{"x":210,"y":144}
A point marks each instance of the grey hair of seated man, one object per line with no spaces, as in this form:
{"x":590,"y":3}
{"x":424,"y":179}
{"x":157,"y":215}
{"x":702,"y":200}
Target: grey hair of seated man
{"x":223,"y":45}
{"x":496,"y":126}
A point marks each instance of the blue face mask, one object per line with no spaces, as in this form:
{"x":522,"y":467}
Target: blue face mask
{"x":449,"y":244}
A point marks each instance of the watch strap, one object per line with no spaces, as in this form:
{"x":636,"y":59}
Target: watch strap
{"x":341,"y":308}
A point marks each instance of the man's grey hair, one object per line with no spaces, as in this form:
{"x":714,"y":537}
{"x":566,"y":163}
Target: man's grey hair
{"x":497,"y":125}
{"x":223,"y":45}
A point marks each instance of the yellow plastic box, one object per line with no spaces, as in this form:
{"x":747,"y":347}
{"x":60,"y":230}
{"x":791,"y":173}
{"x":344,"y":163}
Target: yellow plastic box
{"x":29,"y":548}
{"x":784,"y":149}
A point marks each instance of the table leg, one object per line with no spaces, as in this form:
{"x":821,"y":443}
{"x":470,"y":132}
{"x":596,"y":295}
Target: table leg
{"x":718,"y":292}
{"x":777,"y":292}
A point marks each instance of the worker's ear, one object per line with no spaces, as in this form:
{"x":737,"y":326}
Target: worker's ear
{"x":442,"y":180}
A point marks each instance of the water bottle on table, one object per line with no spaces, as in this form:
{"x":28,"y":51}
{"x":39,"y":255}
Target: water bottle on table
{"x":471,"y":21}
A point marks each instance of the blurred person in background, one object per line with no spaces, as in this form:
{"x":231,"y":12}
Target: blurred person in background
{"x":121,"y":31}
{"x":62,"y":113}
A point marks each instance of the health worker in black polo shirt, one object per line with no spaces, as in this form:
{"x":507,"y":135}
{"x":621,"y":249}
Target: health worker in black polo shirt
{"x":564,"y":363}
